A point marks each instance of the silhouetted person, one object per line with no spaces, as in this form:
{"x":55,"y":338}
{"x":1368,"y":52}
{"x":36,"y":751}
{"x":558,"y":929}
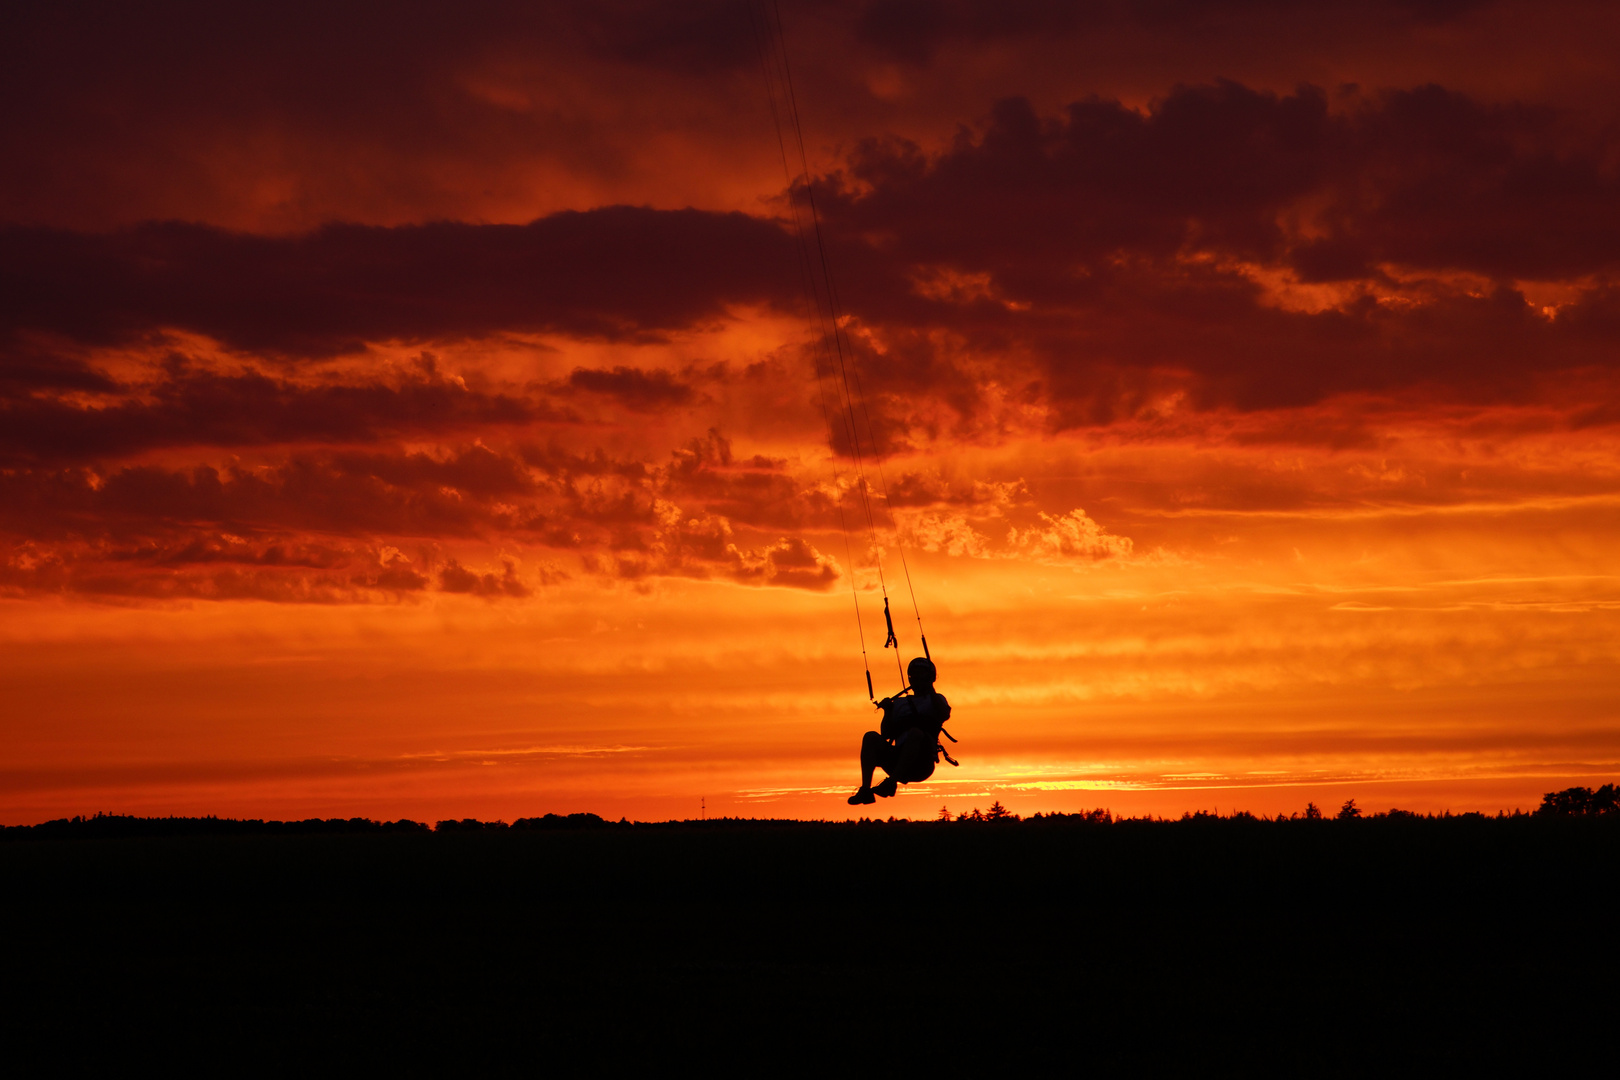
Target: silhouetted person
{"x":906,"y":746}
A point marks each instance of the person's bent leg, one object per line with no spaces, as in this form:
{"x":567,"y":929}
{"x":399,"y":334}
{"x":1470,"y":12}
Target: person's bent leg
{"x":873,"y":747}
{"x":875,"y":751}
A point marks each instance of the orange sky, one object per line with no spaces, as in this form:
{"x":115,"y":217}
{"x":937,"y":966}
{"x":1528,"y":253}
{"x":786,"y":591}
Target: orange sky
{"x":413,"y":414}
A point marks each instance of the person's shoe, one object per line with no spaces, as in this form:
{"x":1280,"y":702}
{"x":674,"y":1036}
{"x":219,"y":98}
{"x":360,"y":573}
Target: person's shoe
{"x":886,"y":789}
{"x":862,"y":797}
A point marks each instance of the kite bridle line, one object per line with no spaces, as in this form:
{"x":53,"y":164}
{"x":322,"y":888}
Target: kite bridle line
{"x":835,"y":354}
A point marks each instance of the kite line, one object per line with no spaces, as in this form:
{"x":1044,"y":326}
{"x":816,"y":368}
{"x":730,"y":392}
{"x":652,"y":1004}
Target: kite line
{"x":836,"y":356}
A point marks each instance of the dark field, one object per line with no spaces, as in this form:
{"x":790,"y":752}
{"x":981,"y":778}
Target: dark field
{"x":1204,"y":946}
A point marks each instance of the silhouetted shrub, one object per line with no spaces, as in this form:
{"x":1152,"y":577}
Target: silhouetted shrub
{"x":1349,"y":811}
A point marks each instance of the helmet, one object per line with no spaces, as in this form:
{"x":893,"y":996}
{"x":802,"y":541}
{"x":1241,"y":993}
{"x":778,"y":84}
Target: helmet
{"x":921,"y":671}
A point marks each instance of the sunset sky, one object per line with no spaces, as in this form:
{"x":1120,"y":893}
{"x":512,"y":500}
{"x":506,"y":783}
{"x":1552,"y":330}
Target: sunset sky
{"x":412,"y":409}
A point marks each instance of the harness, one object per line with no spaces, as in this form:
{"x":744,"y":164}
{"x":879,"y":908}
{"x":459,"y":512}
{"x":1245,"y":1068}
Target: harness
{"x":939,"y":747}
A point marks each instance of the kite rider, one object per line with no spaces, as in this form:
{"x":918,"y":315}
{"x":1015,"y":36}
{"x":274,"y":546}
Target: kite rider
{"x":907,"y":745}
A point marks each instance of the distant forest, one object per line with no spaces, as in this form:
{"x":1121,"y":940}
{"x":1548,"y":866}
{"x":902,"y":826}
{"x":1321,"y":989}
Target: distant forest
{"x":1579,"y":802}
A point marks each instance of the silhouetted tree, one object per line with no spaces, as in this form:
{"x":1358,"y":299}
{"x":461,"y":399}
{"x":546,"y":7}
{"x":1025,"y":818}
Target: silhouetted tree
{"x":1579,"y":802}
{"x":944,"y":813}
{"x":1349,"y":811}
{"x":1606,"y":800}
{"x":1313,"y":812}
{"x":558,"y":821}
{"x":468,"y":825}
{"x":997,"y":812}
{"x":104,"y":825}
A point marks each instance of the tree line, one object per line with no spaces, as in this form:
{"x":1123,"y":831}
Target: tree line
{"x":1580,"y":802}
{"x":1570,"y":802}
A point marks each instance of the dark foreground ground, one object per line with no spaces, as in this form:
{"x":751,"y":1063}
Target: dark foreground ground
{"x":1193,"y":948}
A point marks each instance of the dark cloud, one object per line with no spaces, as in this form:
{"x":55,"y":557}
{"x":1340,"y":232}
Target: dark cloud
{"x":616,"y":273}
{"x":303,"y":495}
{"x":191,"y":407}
{"x":30,"y":366}
{"x":915,"y":30}
{"x":706,"y":549}
{"x":1211,"y":338}
{"x":1424,"y":178}
{"x":912,"y":30}
{"x":700,"y":37}
{"x":1112,"y":258}
{"x":1434,"y":179}
{"x":475,"y":471}
{"x":395,"y":574}
{"x":756,"y":491}
{"x":1288,"y":260}
{"x":204,"y":548}
{"x":703,"y":514}
{"x":1121,"y":251}
{"x":89,"y":571}
{"x":206,"y":565}
{"x":920,"y":489}
{"x":117,"y":108}
{"x":642,"y":391}
{"x":795,"y":564}
{"x":283,"y":117}
{"x":455,"y":578}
